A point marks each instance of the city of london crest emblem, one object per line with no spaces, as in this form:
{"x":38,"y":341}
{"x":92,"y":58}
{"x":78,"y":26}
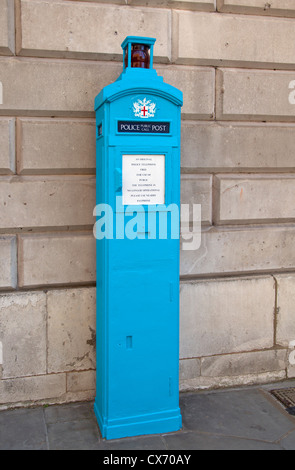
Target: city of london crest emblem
{"x":144,"y":108}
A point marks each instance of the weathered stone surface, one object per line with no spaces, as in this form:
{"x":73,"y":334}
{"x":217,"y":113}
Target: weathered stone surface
{"x":234,"y":146}
{"x":197,"y":189}
{"x":198,"y":87}
{"x":56,"y":146}
{"x":243,"y":250}
{"x":286,"y":302}
{"x":31,"y":86}
{"x":70,"y":29}
{"x":259,"y":198}
{"x":256,"y":362}
{"x":291,"y":372}
{"x":81,"y":381}
{"x":255,"y":95}
{"x":189,"y":368}
{"x":204,"y":5}
{"x":7,"y":45}
{"x":116,"y":2}
{"x":215,"y":39}
{"x":53,"y":87}
{"x":71,"y":329}
{"x":222,"y":251}
{"x":233,"y":369}
{"x":50,"y":387}
{"x":240,"y":310}
{"x":46,"y":201}
{"x":23,"y":334}
{"x":8,"y":266}
{"x":201,"y":382}
{"x":7,"y":146}
{"x":260,"y":7}
{"x":61,"y":259}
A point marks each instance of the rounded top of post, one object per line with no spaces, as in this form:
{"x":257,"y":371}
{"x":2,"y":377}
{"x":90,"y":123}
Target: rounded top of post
{"x":138,"y":74}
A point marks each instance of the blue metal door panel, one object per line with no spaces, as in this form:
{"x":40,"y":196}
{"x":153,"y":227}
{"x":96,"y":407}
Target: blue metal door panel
{"x":136,"y":345}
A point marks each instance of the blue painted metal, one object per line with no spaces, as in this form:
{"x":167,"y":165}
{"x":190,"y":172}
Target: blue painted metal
{"x":137,"y":280}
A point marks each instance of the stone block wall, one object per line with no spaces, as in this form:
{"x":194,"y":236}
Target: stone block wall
{"x":234,"y":61}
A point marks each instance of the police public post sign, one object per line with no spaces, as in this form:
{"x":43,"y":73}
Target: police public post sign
{"x":137,"y":231}
{"x":144,"y":128}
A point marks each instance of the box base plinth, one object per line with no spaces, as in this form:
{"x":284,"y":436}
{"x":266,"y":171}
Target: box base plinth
{"x":153,"y":423}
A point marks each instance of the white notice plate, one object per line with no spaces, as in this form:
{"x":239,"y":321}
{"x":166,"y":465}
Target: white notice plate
{"x":143,"y":179}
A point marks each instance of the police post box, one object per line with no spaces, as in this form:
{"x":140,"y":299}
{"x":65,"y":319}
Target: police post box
{"x":137,"y":232}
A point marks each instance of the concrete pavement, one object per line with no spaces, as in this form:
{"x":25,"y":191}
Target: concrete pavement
{"x":247,"y":418}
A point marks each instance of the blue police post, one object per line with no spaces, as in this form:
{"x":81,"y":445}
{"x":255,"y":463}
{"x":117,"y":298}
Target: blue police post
{"x":137,"y":230}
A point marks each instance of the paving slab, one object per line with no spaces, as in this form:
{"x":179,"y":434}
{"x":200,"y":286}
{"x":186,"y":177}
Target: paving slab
{"x":197,"y":441}
{"x":73,"y":435}
{"x":234,"y":419}
{"x":288,"y":442}
{"x":69,"y":412}
{"x":242,"y":413}
{"x":23,"y":429}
